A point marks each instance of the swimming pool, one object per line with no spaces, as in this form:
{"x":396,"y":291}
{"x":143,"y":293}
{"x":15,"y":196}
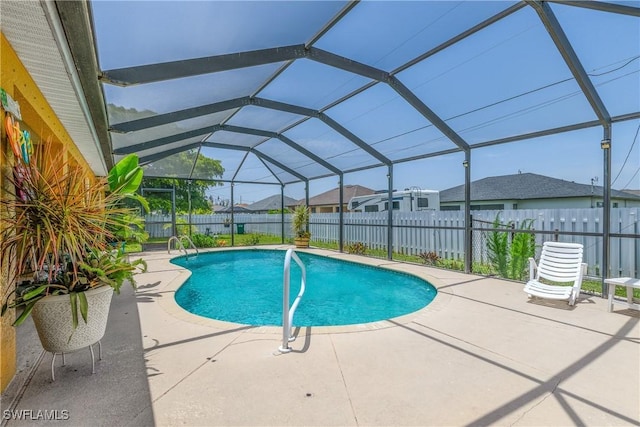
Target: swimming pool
{"x":245,"y":286}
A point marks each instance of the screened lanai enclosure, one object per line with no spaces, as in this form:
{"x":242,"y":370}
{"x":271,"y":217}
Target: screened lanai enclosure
{"x":284,"y":94}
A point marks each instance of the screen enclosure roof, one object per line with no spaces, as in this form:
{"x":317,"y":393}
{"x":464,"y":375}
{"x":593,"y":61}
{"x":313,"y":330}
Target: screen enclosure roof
{"x":284,"y":91}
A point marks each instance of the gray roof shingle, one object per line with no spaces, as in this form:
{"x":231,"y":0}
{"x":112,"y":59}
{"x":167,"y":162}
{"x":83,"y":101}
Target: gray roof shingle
{"x":271,"y":203}
{"x":524,"y":186}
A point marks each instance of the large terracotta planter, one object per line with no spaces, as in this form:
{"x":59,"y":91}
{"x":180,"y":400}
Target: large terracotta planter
{"x":53,"y":321}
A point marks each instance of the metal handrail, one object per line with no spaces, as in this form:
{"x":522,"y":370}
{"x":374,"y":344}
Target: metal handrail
{"x":184,"y":236}
{"x":288,"y":312}
{"x":181,"y":245}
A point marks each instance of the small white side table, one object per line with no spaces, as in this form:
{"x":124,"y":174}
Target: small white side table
{"x":629,"y":283}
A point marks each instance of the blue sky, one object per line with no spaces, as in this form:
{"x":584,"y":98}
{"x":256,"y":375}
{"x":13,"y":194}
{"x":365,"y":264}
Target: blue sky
{"x":506,"y":80}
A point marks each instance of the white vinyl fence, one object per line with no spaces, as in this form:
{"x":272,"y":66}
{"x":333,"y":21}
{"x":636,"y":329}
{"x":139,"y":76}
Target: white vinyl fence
{"x":442,"y":231}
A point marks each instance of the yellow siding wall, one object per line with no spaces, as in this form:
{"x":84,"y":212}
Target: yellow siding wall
{"x":38,"y":115}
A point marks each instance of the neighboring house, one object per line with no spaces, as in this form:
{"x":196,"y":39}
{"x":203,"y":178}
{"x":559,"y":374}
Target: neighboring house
{"x":531,"y":191}
{"x":329,"y":201}
{"x":636,"y":192}
{"x":271,"y":203}
{"x":236,"y":209}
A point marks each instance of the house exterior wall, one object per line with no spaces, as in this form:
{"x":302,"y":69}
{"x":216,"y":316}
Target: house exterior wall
{"x":575,"y":202}
{"x":560,"y":203}
{"x":327,"y":208}
{"x":569,"y":202}
{"x":40,"y":118}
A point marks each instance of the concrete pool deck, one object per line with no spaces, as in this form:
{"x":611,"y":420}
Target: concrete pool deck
{"x":480,"y":354}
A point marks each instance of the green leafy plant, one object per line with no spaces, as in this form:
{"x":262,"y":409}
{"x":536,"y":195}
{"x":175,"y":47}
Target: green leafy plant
{"x":131,"y":228}
{"x":497,"y":247}
{"x":300,"y":221}
{"x":203,"y":241}
{"x":55,"y":223}
{"x":430,"y":257}
{"x":523,"y":247}
{"x":182,"y":227}
{"x":451,"y":264}
{"x":252,"y":239}
{"x":125,"y":178}
{"x":509,"y":259}
{"x":110,"y":268}
{"x":357,"y":248}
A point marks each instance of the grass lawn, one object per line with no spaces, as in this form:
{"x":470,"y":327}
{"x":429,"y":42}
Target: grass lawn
{"x":132,"y":248}
{"x":249,"y":239}
{"x":221,"y":239}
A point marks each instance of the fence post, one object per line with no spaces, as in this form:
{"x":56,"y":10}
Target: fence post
{"x":471,"y":244}
{"x":513,"y":234}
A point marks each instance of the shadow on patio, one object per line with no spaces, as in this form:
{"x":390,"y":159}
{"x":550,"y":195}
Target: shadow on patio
{"x":479,"y":354}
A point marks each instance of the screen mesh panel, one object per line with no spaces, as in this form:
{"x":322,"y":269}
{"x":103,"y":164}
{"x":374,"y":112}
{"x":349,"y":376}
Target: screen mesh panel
{"x":614,"y":67}
{"x":533,"y":90}
{"x":425,"y":24}
{"x":475,"y":72}
{"x":149,"y":32}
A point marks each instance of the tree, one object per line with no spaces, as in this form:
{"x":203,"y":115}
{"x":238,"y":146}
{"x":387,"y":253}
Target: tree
{"x":180,"y":165}
{"x":172,"y":167}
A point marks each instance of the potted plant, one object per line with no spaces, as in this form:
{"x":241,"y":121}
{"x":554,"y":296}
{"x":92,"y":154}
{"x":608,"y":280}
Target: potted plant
{"x":54,"y":246}
{"x":299,"y":225}
{"x":124,"y":179}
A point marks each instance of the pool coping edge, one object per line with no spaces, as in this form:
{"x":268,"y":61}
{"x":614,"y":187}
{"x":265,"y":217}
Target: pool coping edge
{"x":169,"y":304}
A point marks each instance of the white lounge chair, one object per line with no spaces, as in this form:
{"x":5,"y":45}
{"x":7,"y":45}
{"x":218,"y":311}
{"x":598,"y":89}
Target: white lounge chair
{"x":559,"y":263}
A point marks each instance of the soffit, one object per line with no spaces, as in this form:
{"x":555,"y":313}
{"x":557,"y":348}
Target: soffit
{"x":28,"y":30}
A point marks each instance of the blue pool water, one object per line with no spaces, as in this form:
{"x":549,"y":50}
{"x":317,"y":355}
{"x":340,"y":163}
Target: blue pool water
{"x":245,"y":286}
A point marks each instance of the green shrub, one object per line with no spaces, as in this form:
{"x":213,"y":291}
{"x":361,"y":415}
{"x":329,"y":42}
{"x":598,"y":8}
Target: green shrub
{"x":252,"y":239}
{"x":497,"y":247}
{"x":203,"y":241}
{"x":479,"y":268}
{"x":510,"y":259}
{"x":357,"y":248}
{"x":430,"y":257}
{"x":451,"y":264}
{"x":523,"y":247}
{"x":182,"y":227}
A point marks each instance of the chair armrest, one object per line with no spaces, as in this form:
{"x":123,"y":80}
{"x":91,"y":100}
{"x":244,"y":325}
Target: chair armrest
{"x":532,"y":268}
{"x":583,"y":272}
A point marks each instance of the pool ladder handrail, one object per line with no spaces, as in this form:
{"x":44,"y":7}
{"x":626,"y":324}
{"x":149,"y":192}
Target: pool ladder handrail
{"x":181,"y":245}
{"x":288,"y":312}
